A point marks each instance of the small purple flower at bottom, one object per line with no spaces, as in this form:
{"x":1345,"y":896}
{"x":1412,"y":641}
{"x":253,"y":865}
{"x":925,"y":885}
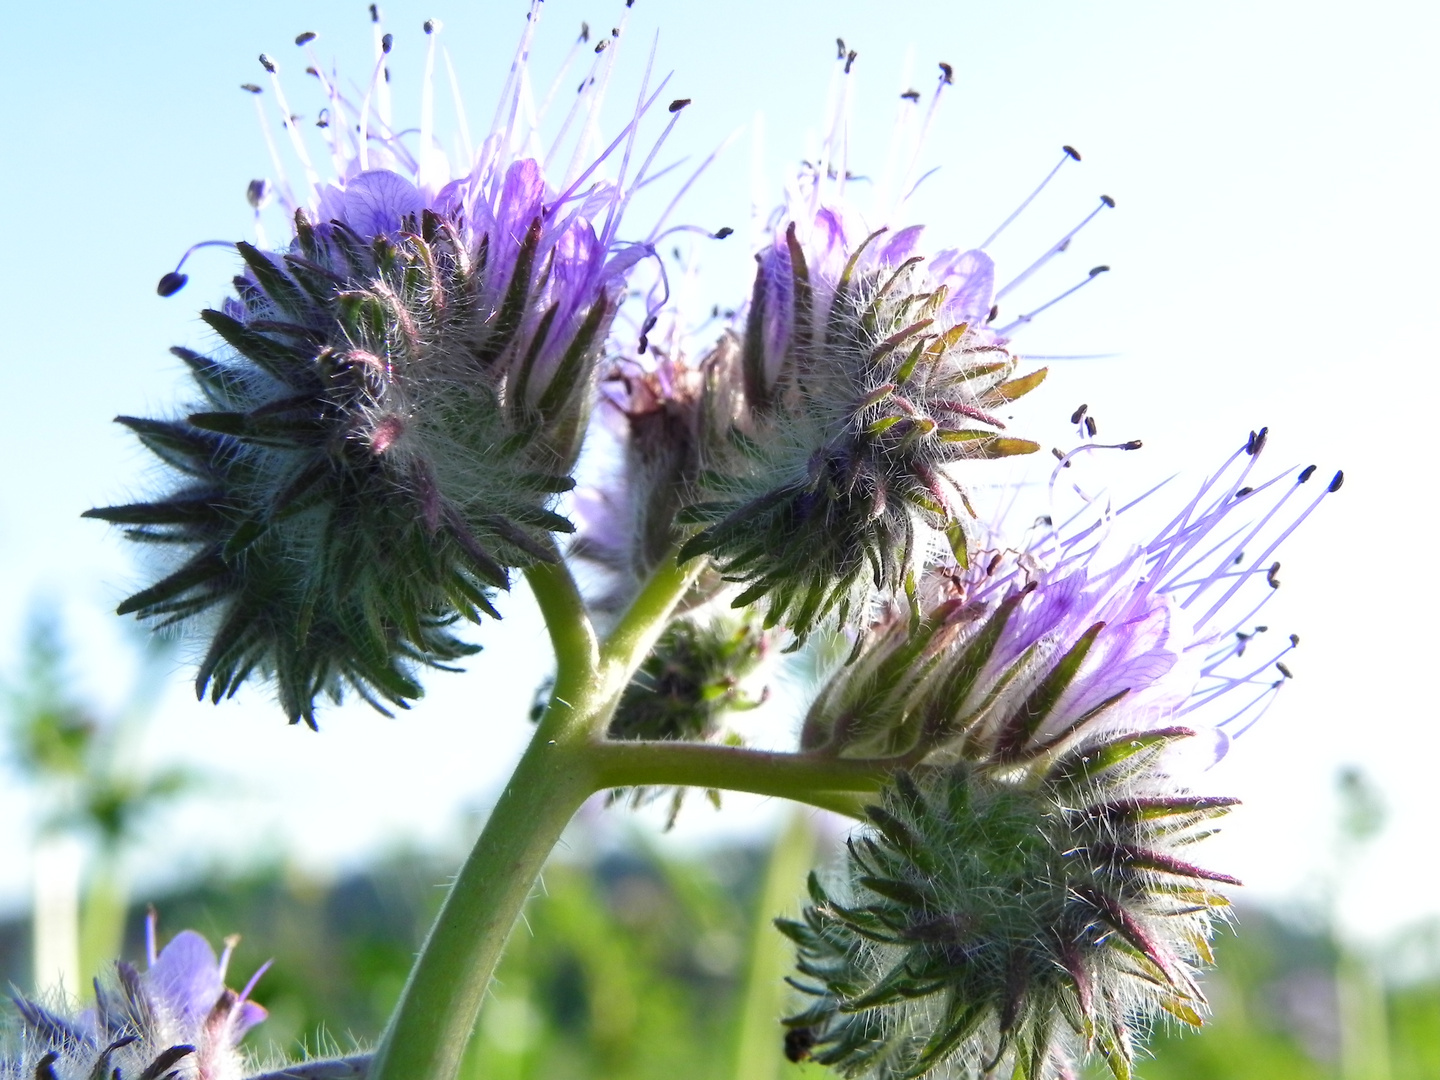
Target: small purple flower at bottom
{"x":177,"y":1018}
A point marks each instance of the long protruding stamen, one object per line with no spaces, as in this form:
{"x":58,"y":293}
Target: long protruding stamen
{"x":1106,"y":202}
{"x":656,"y":233}
{"x":174,"y":281}
{"x":579,"y":181}
{"x":582,"y":92}
{"x":1237,"y":552}
{"x":427,"y":155}
{"x":282,"y":182}
{"x":609,"y":49}
{"x":1029,"y":316}
{"x":383,"y":47}
{"x":1070,"y":153}
{"x":910,"y":183}
{"x":614,"y":211}
{"x":467,"y":147}
{"x":1264,"y":557}
{"x":508,"y":104}
{"x":383,"y":42}
{"x":337,"y":124}
{"x":312,"y":178}
{"x":560,"y":79}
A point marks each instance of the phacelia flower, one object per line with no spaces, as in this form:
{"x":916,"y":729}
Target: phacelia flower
{"x":870,"y":371}
{"x":175,"y":1018}
{"x":400,"y":394}
{"x":1024,"y":895}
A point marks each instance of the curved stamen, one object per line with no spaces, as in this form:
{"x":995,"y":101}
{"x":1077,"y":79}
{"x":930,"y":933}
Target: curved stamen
{"x":1070,"y":153}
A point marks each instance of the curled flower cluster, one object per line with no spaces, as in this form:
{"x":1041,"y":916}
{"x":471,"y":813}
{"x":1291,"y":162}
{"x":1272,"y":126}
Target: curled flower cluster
{"x":994,"y":928}
{"x":862,"y":386}
{"x":401,"y":393}
{"x":175,"y":1018}
{"x":1022,"y":898}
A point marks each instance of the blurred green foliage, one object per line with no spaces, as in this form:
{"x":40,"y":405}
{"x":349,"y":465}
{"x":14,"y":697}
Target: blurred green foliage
{"x":631,"y":967}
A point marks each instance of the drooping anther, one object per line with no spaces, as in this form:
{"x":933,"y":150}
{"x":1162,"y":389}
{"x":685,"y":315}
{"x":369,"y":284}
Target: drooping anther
{"x":1280,"y":667}
{"x":431,"y":25}
{"x":1294,"y":640}
{"x":1108,"y":201}
{"x":172,"y":283}
{"x":1272,"y":575}
{"x":850,"y":60}
{"x":947,"y":73}
{"x":267,"y":64}
{"x":1256,"y":442}
{"x":1072,"y":152}
{"x":1090,"y":426}
{"x":374,"y":13}
{"x":387,"y":42}
{"x":839,"y":48}
{"x":994,"y":313}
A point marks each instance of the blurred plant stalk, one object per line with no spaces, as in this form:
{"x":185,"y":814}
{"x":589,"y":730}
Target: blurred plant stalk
{"x":763,"y":1000}
{"x":91,"y":796}
{"x":58,"y":862}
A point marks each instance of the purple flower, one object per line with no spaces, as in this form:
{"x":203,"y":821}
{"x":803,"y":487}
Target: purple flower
{"x":401,"y":391}
{"x":1023,"y":896}
{"x":1069,"y":633}
{"x":177,"y":1013}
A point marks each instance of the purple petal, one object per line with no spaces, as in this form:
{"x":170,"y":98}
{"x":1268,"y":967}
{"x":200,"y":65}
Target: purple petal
{"x":186,"y":976}
{"x":900,"y":246}
{"x":521,"y":198}
{"x":247,"y":1016}
{"x":376,"y":202}
{"x":971,"y":278}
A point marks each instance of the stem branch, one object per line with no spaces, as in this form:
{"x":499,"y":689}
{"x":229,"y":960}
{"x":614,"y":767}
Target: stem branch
{"x":798,"y":777}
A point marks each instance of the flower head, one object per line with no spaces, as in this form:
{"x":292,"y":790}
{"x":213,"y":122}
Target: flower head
{"x":871,"y":375}
{"x":176,"y":1014}
{"x":401,"y":392}
{"x":1024,"y":896}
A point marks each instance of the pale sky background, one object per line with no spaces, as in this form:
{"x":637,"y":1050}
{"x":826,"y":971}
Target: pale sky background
{"x":1274,"y":254}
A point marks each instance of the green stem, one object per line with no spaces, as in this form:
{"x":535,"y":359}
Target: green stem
{"x":431,"y":1025}
{"x":828,"y":782}
{"x":571,"y":633}
{"x":567,"y":760}
{"x":634,"y":635}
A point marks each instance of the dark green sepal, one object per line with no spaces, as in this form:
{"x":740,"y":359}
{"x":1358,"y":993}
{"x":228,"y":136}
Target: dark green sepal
{"x":275,"y":283}
{"x":286,"y":363}
{"x":1015,"y":734}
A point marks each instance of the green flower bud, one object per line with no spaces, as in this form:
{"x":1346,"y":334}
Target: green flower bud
{"x":1004,"y":923}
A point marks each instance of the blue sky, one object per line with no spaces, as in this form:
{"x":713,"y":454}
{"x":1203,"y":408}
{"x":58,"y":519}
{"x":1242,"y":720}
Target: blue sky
{"x":1274,"y":263}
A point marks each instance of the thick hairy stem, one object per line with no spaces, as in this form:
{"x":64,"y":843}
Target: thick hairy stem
{"x":431,"y":1025}
{"x":568,"y":760}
